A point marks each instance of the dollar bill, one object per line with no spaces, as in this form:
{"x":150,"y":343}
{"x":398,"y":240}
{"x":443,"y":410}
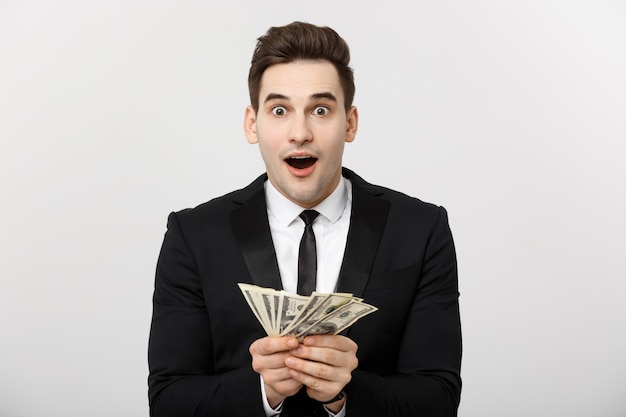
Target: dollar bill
{"x":250,"y":294}
{"x":337,"y":320}
{"x":291,"y":306}
{"x":281,"y":313}
{"x":319,"y":306}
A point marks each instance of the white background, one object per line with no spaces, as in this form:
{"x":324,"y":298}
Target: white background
{"x":511,"y":114}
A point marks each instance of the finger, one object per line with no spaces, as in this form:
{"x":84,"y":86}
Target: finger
{"x":322,"y":355}
{"x":276,"y":376}
{"x":281,"y":383}
{"x":313,"y":369}
{"x":336,"y":342}
{"x":269,"y":345}
{"x":270,"y":353}
{"x":321,"y":388}
{"x":328,"y":356}
{"x":287,"y":387}
{"x":262,"y":363}
{"x":312,"y":373}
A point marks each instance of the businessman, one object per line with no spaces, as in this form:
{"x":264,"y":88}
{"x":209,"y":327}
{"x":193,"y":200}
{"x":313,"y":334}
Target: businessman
{"x":306,"y":224}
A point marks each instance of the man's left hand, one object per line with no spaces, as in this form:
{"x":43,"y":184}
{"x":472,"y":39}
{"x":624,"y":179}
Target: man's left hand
{"x":324,"y":363}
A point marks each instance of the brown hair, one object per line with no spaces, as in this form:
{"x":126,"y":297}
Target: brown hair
{"x":298,"y":41}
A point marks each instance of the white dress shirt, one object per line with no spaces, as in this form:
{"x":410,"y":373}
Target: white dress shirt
{"x":330,"y":228}
{"x":331,"y":234}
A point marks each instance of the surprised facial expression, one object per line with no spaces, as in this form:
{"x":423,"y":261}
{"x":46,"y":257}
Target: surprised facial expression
{"x":301,"y":128}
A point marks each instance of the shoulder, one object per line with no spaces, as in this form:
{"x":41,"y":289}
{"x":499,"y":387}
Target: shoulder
{"x":399,"y":202}
{"x":218,"y":209}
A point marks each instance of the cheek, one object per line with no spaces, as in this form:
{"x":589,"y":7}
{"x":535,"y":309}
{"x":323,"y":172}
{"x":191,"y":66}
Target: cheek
{"x":271,"y":152}
{"x":267,"y":152}
{"x":337,"y":145}
{"x":271,"y":135}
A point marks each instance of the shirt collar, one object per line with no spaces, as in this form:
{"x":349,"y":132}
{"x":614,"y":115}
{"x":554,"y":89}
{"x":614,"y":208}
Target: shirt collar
{"x":286,"y":211}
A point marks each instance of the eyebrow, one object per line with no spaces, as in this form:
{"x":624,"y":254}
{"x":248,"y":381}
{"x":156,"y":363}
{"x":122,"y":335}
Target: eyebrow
{"x":316,"y":96}
{"x":326,"y":94}
{"x":274,"y":96}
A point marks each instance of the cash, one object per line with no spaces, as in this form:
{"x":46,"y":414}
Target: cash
{"x":285,"y":314}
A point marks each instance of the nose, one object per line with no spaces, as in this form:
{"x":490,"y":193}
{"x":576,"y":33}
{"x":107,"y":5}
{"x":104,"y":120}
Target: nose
{"x":300,"y":130}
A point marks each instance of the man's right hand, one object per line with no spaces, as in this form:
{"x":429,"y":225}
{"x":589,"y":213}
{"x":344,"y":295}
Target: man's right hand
{"x":268,"y":360}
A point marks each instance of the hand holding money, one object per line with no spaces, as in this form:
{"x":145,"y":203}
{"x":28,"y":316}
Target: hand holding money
{"x":285,"y":314}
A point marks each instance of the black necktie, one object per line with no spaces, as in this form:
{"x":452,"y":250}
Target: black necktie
{"x":307,"y":257}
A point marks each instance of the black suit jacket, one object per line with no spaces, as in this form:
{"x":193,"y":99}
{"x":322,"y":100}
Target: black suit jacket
{"x":399,"y":257}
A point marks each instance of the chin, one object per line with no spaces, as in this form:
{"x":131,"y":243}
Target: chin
{"x":304,"y":199}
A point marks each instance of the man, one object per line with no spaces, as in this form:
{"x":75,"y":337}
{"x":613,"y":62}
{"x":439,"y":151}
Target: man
{"x":209,"y":356}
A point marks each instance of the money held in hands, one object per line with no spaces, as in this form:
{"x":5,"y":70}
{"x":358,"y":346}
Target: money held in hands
{"x":285,"y":314}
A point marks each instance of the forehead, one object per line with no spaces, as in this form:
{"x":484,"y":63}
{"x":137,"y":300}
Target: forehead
{"x":301,"y":79}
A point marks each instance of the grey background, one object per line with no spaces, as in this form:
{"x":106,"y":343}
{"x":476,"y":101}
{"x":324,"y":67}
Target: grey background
{"x":511,"y":114}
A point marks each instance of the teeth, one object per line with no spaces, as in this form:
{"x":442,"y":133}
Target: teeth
{"x":300,"y":157}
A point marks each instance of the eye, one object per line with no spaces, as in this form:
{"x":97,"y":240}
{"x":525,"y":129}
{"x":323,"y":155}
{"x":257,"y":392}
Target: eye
{"x":320,"y":111}
{"x":279,"y":111}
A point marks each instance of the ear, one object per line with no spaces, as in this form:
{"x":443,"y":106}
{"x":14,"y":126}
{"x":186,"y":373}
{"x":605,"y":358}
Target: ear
{"x":352,"y":123}
{"x":249,"y":125}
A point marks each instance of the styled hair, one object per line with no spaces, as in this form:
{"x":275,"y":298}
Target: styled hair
{"x":300,"y":41}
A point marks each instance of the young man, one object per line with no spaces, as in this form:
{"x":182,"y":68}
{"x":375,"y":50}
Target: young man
{"x":209,"y":356}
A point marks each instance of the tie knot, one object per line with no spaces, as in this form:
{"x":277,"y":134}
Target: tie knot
{"x":308,"y":216}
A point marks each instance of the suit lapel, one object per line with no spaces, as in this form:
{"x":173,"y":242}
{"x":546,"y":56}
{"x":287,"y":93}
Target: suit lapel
{"x":367,"y":222}
{"x":252,"y":231}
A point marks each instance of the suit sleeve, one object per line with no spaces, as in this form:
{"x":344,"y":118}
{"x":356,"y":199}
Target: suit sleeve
{"x":427,"y":379}
{"x":182,"y":380}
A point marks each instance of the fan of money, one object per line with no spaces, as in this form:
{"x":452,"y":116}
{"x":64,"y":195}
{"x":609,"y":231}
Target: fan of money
{"x":285,"y":314}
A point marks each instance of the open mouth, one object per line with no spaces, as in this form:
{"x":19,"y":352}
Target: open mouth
{"x":301,"y":162}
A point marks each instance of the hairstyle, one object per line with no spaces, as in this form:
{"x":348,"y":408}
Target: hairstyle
{"x":298,"y":41}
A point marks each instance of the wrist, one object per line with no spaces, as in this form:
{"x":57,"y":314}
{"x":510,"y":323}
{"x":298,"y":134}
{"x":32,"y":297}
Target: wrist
{"x":336,"y":406}
{"x":336,"y":398}
{"x":271,"y":398}
{"x":274,"y":399}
